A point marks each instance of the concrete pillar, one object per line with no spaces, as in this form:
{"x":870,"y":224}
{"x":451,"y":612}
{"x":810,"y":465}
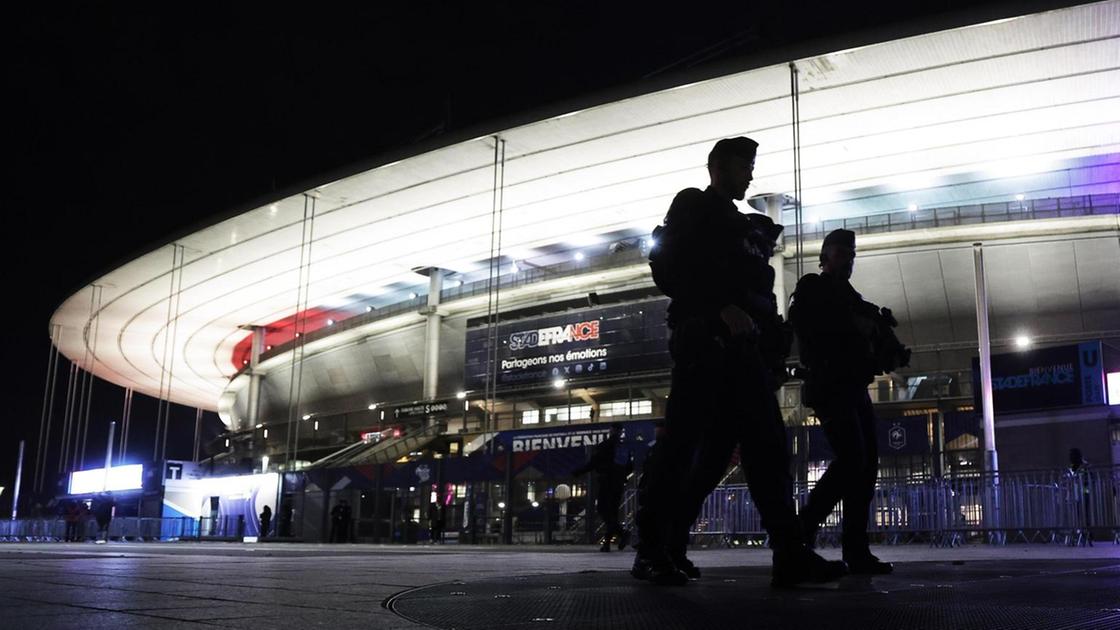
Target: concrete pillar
{"x":991,"y":460}
{"x":992,"y":500}
{"x":771,"y":206}
{"x":431,"y":335}
{"x":255,"y":376}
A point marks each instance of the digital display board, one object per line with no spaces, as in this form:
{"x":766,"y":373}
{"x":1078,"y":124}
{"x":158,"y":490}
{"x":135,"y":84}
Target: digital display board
{"x":130,"y":477}
{"x":581,"y":343}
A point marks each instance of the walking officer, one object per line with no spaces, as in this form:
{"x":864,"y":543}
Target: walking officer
{"x":844,"y":342}
{"x":712,"y":261}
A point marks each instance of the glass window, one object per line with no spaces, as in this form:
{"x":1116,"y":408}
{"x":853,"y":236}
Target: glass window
{"x":531,"y":416}
{"x":620,"y":408}
{"x":567,"y":414}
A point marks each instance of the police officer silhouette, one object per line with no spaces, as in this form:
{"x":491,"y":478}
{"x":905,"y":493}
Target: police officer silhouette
{"x":713,"y":262}
{"x":844,"y":342}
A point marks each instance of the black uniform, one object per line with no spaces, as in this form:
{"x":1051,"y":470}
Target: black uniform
{"x":722,"y":387}
{"x":610,"y":478}
{"x":835,"y":337}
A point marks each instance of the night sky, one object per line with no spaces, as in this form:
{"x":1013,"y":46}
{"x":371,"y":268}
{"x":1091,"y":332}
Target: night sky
{"x":133,"y":126}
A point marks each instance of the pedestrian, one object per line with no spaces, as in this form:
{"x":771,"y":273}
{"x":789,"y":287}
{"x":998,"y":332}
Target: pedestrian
{"x":340,"y":522}
{"x":725,"y":341}
{"x":73,"y":515}
{"x":1079,"y":472}
{"x":284,"y":530}
{"x":265,"y":521}
{"x":844,"y":341}
{"x":610,"y":479}
{"x":103,"y":510}
{"x":435,"y":523}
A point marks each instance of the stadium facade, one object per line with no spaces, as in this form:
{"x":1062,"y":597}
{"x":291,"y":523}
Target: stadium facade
{"x":469,"y":317}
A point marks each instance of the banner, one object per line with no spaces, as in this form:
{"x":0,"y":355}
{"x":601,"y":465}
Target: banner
{"x":1045,"y":378}
{"x":590,"y":342}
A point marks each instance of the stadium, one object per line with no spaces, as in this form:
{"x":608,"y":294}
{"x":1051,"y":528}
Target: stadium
{"x":454,"y":326}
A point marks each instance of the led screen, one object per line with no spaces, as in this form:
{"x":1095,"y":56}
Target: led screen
{"x":129,"y":477}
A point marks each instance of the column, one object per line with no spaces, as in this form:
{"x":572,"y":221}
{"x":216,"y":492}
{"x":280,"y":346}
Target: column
{"x":255,"y":375}
{"x":431,"y":335}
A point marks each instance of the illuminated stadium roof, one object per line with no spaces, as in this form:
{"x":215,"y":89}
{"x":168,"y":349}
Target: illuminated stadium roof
{"x":1026,"y":106}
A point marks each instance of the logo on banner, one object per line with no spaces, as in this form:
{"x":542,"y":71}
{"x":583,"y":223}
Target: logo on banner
{"x":423,"y":473}
{"x":554,"y":335}
{"x":896,"y":437}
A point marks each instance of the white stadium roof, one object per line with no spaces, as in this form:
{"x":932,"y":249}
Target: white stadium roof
{"x":971,"y":114}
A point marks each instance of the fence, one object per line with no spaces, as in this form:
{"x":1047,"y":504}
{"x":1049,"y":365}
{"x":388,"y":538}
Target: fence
{"x":1033,"y":506}
{"x":125,"y":528}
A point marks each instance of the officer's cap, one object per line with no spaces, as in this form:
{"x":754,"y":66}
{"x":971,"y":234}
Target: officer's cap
{"x":766,"y":226}
{"x":740,"y":147}
{"x":847,"y":238}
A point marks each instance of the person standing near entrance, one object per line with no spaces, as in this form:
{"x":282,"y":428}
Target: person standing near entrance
{"x":103,"y":509}
{"x":74,"y":516}
{"x":265,"y":520}
{"x":710,"y":260}
{"x":1079,"y":473}
{"x":340,"y":522}
{"x":610,"y":480}
{"x":844,"y":342}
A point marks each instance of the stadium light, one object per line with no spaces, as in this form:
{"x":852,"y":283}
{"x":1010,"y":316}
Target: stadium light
{"x":1022,"y":342}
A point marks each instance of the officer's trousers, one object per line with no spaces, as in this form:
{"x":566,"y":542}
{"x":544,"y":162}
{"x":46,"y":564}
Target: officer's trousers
{"x":849,"y":424}
{"x":719,"y":399}
{"x":606,"y":505}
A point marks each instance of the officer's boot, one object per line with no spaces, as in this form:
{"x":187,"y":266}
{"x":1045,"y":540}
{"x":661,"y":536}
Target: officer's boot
{"x":797,"y":564}
{"x":869,"y":565}
{"x":655,"y":566}
{"x":683,"y":564}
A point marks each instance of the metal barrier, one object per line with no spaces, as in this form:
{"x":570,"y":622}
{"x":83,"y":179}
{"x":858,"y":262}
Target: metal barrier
{"x":1056,"y":507}
{"x":1032,"y":506}
{"x":129,"y":528}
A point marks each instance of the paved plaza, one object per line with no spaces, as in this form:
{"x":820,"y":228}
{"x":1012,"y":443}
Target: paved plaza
{"x":164,"y":585}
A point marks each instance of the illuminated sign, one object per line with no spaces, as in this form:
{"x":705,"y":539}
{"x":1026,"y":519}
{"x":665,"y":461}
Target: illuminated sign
{"x":419,"y":410}
{"x":1045,"y":378}
{"x":129,"y":477}
{"x":554,"y":335}
{"x":602,"y":340}
{"x":1114,"y":388}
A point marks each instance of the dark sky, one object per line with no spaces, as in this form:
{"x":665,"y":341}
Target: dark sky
{"x":131,"y":126}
